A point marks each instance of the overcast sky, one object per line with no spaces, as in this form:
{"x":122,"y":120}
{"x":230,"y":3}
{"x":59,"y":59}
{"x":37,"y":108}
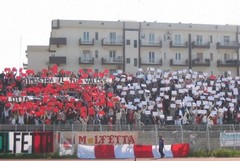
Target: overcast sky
{"x":28,"y":22}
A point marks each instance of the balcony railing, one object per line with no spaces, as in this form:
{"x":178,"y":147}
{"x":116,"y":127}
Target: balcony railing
{"x":198,"y":62}
{"x":86,"y":60}
{"x":112,"y":42}
{"x":151,"y":44}
{"x":201,"y":46}
{"x":227,"y":63}
{"x":58,"y":41}
{"x":86,"y":42}
{"x":112,"y":61}
{"x":57,"y":60}
{"x":178,"y":63}
{"x":178,"y":45}
{"x":156,"y":62}
{"x":230,"y":45}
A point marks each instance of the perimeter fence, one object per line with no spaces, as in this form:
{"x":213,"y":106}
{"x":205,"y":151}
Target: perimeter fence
{"x":200,"y":137}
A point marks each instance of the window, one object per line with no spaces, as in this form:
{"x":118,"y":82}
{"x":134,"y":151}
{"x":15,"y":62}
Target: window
{"x":200,"y":56}
{"x":151,"y":57}
{"x":135,"y":43}
{"x":113,"y":37}
{"x":226,"y":56}
{"x":165,"y":56}
{"x":210,"y":38}
{"x":86,"y":37}
{"x":96,"y":35}
{"x":177,"y":56}
{"x":226,"y":40}
{"x":96,"y":53}
{"x":128,"y":42}
{"x":199,"y":40}
{"x":211,"y":56}
{"x":87,"y":55}
{"x":177,"y":39}
{"x":128,"y":60}
{"x":112,"y":55}
{"x":151,"y":38}
{"x":135,"y":62}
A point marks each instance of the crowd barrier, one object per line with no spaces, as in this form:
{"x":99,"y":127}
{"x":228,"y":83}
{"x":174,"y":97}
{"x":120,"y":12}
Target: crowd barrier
{"x":76,"y":140}
{"x":86,"y":145}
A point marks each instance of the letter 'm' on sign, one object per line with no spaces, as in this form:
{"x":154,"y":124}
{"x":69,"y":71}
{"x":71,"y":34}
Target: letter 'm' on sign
{"x":82,"y":139}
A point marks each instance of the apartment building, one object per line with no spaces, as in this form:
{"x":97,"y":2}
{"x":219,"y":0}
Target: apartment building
{"x":129,"y":45}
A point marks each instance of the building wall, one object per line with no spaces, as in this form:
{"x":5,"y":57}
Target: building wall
{"x":99,"y":32}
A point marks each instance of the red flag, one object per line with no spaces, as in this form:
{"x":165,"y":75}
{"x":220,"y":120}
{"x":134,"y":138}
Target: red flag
{"x":81,"y":71}
{"x":106,"y":71}
{"x":89,"y":70}
{"x":54,"y":69}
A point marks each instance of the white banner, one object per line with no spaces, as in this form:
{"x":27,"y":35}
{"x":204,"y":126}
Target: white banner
{"x":49,"y":80}
{"x":230,"y":139}
{"x":66,"y":144}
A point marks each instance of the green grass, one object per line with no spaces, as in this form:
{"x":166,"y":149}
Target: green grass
{"x":216,"y":153}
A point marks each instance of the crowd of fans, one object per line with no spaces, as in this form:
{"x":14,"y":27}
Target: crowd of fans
{"x":146,"y":97}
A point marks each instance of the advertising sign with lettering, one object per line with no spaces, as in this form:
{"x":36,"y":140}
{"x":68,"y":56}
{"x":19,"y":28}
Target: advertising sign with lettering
{"x":229,"y":139}
{"x":96,"y":138}
{"x":26,"y":142}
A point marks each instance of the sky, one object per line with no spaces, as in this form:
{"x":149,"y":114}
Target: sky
{"x":28,"y":22}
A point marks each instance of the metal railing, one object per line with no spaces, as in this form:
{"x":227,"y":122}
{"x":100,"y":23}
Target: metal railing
{"x":198,"y":136}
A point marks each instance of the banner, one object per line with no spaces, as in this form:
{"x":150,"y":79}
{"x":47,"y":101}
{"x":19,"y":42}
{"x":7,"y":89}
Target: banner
{"x":229,"y":139}
{"x":26,"y":142}
{"x":66,"y":143}
{"x":127,"y":151}
{"x":106,"y":137}
{"x":49,"y":80}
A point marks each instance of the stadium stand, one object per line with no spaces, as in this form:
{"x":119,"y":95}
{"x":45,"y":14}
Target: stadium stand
{"x":146,"y":97}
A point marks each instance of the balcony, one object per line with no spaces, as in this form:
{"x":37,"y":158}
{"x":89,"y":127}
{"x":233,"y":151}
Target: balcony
{"x":86,"y":60}
{"x":200,"y":45}
{"x":158,"y":62}
{"x":112,"y":42}
{"x":58,"y":41}
{"x":151,"y":44}
{"x":227,"y":63}
{"x":201,"y":63}
{"x":86,"y":42}
{"x":178,"y":45}
{"x":57,"y":60}
{"x":231,"y":45}
{"x":178,"y":63}
{"x":112,"y":61}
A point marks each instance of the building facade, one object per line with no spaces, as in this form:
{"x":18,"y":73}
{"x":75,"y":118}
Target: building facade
{"x":129,"y":45}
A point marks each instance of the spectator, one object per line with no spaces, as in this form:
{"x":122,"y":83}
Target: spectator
{"x":189,"y":97}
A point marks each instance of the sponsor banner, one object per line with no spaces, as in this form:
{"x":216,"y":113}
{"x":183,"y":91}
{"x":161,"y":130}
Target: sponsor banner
{"x":229,"y":139}
{"x":49,"y":80}
{"x":125,"y":151}
{"x":94,"y":138}
{"x":26,"y":142}
{"x":66,"y":142}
